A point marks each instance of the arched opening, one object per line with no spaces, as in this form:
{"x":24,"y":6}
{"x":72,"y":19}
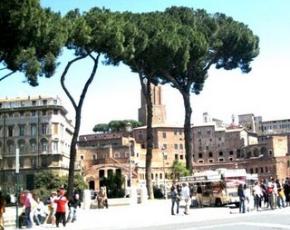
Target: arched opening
{"x":92,"y":185}
{"x":256,"y":152}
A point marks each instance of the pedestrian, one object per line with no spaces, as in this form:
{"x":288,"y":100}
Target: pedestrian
{"x":61,"y":204}
{"x":73,"y":204}
{"x":173,"y":195}
{"x":258,"y":194}
{"x":199,"y":196}
{"x":241,"y":194}
{"x":40,"y":212}
{"x":2,"y":210}
{"x":51,"y":208}
{"x":286,"y":189}
{"x":102,"y":198}
{"x":185,"y":192}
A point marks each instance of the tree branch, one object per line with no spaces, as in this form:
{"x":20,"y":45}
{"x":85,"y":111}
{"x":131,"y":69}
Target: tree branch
{"x":89,"y":81}
{"x":3,"y":68}
{"x":62,"y":79}
{"x":7,"y":75}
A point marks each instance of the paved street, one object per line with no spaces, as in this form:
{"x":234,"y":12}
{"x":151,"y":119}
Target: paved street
{"x":157,"y":213}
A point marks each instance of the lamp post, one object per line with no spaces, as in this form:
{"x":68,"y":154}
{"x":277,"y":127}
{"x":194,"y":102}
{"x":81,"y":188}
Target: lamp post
{"x":129,"y":130}
{"x":163,"y":158}
{"x":130,"y":169}
{"x":17,"y":183}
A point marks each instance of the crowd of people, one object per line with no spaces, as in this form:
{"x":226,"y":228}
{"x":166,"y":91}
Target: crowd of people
{"x":59,"y":210}
{"x":269,"y":193}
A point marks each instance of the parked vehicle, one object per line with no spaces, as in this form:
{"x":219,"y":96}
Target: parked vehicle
{"x":219,"y":187}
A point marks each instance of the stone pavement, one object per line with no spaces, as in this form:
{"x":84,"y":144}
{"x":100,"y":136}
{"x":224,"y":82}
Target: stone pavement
{"x":150,"y":213}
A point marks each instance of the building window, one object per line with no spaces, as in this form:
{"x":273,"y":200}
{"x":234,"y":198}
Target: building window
{"x":181,"y":157}
{"x":11,"y":148}
{"x":55,"y":147}
{"x":44,"y":102}
{"x":238,"y":153}
{"x":251,"y":170}
{"x":175,"y":132}
{"x":33,"y":146}
{"x":262,"y":170}
{"x":44,"y":146}
{"x":180,"y":146}
{"x":210,"y":161}
{"x":21,"y":130}
{"x":44,"y":129}
{"x":221,"y":159}
{"x":164,"y":146}
{"x":210,"y":154}
{"x":82,"y":157}
{"x":230,"y":159}
{"x":200,"y":155}
{"x":231,"y":153}
{"x":33,"y":129}
{"x":164,"y":134}
{"x":176,"y":156}
{"x":221,"y":153}
{"x":55,"y":129}
{"x":206,"y":147}
{"x":175,"y":146}
{"x":10,"y":131}
{"x":200,"y":161}
{"x":21,"y":144}
{"x":55,"y":111}
{"x":44,"y":113}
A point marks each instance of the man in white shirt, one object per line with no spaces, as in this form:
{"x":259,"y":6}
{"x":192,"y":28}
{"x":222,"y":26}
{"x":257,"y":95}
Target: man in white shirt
{"x":185,"y":193}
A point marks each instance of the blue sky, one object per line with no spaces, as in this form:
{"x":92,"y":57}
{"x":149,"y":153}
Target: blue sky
{"x":115,"y":92}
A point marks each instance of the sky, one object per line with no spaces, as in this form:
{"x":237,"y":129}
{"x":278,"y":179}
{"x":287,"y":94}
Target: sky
{"x":115,"y":92}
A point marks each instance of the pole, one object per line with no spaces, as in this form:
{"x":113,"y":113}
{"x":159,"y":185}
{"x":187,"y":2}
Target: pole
{"x":164,"y":176}
{"x":17,"y":181}
{"x":130,"y":169}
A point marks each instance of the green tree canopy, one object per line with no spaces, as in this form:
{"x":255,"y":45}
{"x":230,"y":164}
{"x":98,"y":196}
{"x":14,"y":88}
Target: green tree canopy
{"x":31,"y":39}
{"x":179,"y":169}
{"x":116,"y":126}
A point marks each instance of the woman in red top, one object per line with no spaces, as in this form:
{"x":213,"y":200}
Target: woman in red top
{"x":61,"y":203}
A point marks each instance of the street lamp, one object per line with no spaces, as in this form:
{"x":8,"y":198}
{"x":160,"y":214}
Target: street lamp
{"x":163,"y":158}
{"x":129,"y":130}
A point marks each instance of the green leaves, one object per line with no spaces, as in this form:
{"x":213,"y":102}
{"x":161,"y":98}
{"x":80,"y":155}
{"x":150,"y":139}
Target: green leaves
{"x":32,"y":38}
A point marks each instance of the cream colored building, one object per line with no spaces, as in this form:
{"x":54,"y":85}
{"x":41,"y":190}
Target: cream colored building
{"x":39,"y":128}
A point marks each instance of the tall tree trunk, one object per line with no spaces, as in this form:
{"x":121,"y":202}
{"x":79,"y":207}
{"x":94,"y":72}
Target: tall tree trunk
{"x":146,"y":90}
{"x":78,"y":111}
{"x":187,"y":130}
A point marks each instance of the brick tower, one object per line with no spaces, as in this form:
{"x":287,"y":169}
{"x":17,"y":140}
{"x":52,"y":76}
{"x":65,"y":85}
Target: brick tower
{"x":159,"y":111}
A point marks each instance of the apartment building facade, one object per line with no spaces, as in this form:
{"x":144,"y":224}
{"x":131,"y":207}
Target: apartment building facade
{"x":39,"y":129}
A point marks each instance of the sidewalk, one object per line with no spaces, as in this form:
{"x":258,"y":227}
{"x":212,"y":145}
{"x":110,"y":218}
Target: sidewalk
{"x":151,"y":213}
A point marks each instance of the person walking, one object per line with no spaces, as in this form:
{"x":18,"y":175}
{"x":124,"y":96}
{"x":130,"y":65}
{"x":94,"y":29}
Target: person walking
{"x":185,"y":193}
{"x":2,"y":210}
{"x":73,"y":204}
{"x":173,"y":195}
{"x":199,"y":196}
{"x":61,"y":203}
{"x":258,"y":194}
{"x":51,"y":208}
{"x":242,"y":197}
{"x":28,"y":203}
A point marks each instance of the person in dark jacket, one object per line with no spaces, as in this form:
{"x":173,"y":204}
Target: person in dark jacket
{"x":241,"y":194}
{"x":73,"y":204}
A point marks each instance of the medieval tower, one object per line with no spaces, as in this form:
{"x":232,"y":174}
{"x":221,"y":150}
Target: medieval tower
{"x":159,"y":111}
